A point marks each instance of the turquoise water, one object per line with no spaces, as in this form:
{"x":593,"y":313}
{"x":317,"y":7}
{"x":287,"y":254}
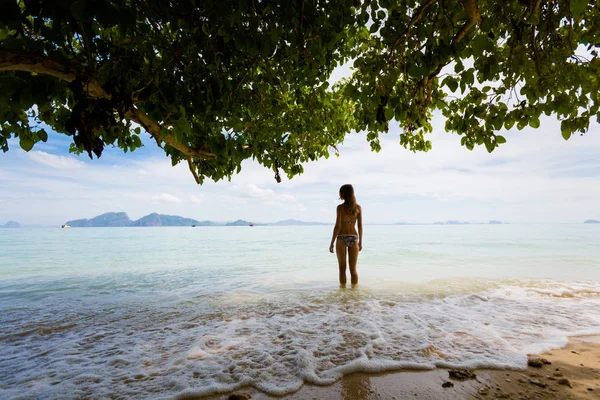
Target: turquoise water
{"x":168,"y":312}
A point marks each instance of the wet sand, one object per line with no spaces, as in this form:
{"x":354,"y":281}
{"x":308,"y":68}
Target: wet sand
{"x":573,"y":372}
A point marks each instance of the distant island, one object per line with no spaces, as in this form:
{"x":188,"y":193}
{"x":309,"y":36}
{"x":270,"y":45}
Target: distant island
{"x":241,"y":222}
{"x":592,"y":221}
{"x":121,"y":219}
{"x":492,"y":222}
{"x":11,"y":224}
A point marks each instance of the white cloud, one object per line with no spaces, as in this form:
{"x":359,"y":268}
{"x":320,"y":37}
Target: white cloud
{"x":166,"y":197}
{"x":232,"y":200}
{"x":536,"y":176}
{"x":195,"y":199}
{"x":269,"y":197}
{"x":54,"y":161}
{"x":253,"y":190}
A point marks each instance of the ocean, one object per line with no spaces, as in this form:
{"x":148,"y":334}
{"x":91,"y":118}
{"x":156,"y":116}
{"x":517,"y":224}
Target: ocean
{"x":171,"y":313}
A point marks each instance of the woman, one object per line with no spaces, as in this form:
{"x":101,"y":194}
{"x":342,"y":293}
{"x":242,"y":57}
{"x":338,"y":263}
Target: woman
{"x":348,"y":215}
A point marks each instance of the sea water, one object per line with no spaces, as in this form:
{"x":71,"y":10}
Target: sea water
{"x":181,"y":312}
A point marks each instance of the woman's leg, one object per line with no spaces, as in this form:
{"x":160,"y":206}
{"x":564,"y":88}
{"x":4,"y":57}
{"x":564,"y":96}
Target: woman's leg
{"x":353,"y":260}
{"x":340,"y":250}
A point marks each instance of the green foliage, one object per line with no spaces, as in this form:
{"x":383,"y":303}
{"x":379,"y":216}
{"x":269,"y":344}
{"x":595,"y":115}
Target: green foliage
{"x":218,"y":82}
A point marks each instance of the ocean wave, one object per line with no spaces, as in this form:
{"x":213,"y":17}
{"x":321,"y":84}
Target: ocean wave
{"x":276,"y":342}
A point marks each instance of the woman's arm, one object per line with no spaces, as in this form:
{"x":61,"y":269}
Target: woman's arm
{"x":336,"y":228}
{"x":360,"y":230}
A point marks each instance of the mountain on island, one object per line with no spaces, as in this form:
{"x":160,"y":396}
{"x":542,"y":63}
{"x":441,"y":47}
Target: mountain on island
{"x":11,"y":224}
{"x":155,"y":219}
{"x":104,"y":220}
{"x":241,"y":222}
{"x":592,"y":221}
{"x":121,"y":219}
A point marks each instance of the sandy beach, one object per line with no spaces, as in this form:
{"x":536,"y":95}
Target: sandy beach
{"x":572,"y":372}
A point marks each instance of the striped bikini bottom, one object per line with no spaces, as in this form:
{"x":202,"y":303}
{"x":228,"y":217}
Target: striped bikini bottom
{"x":349,"y":240}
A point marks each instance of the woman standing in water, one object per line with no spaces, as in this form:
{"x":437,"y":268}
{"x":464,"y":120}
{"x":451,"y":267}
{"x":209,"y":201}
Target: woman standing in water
{"x":348,"y":241}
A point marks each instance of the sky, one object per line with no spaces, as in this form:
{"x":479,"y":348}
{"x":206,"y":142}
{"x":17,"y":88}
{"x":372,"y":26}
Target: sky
{"x":536,"y":177}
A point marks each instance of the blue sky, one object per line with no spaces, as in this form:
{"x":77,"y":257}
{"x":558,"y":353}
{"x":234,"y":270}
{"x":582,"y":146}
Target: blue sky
{"x":535,"y":177}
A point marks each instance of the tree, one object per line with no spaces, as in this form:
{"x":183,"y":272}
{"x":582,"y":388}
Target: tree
{"x":218,"y":82}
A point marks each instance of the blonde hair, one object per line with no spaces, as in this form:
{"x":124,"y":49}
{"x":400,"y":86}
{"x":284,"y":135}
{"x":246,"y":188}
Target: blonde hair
{"x":347,"y":194}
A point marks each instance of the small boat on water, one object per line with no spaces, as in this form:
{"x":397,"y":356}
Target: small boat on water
{"x":65,"y":226}
{"x":251,"y":224}
{"x":193,"y":226}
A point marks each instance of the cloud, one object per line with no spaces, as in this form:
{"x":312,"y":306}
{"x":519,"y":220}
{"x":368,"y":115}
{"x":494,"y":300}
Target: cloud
{"x":166,"y":197}
{"x":194,"y":199}
{"x":232,"y":200}
{"x":269,"y":197}
{"x":535,"y":177}
{"x":54,"y":161}
{"x":253,"y":190}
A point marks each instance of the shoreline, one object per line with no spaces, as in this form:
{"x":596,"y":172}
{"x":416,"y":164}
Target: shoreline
{"x":571,"y":372}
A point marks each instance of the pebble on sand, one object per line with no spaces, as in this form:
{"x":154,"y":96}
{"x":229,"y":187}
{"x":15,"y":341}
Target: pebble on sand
{"x":537,"y":362}
{"x":461,"y":375}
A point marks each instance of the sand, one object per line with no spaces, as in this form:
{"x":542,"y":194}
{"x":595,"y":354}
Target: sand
{"x":573,"y":373}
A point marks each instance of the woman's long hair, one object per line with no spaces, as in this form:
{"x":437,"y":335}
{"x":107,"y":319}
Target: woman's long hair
{"x":347,"y":194}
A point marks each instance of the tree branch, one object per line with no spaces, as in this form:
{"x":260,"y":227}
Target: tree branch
{"x":474,"y":18}
{"x":193,"y":171}
{"x":415,"y":18}
{"x":15,"y":60}
{"x":139,"y":116}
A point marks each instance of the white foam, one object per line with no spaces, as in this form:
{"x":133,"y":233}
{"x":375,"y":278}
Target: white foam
{"x":279,"y":342}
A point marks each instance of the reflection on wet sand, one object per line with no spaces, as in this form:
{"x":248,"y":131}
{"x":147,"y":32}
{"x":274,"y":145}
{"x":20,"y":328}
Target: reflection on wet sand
{"x":358,"y":388}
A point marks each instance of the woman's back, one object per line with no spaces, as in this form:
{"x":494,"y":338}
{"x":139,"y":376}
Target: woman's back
{"x":348,"y":220}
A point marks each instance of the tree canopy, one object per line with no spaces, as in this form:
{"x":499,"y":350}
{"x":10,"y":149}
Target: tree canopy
{"x":218,"y":82}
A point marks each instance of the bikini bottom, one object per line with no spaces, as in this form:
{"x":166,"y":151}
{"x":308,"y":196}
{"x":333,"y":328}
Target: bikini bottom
{"x":349,"y":240}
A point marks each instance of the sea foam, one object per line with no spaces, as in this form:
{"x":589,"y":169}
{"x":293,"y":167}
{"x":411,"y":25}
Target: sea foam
{"x":279,"y":341}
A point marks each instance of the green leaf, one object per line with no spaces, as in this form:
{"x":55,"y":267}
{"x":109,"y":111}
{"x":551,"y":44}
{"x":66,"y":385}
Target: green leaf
{"x":566,"y":134}
{"x":451,"y":83}
{"x":42,"y":135}
{"x":26,"y":143}
{"x":534,"y":123}
{"x":500,"y":139}
{"x":137,"y":142}
{"x":578,"y":7}
{"x":486,"y":25}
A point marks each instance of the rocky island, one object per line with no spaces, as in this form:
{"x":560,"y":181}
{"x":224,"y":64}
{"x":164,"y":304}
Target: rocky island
{"x":11,"y":224}
{"x":121,"y":219}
